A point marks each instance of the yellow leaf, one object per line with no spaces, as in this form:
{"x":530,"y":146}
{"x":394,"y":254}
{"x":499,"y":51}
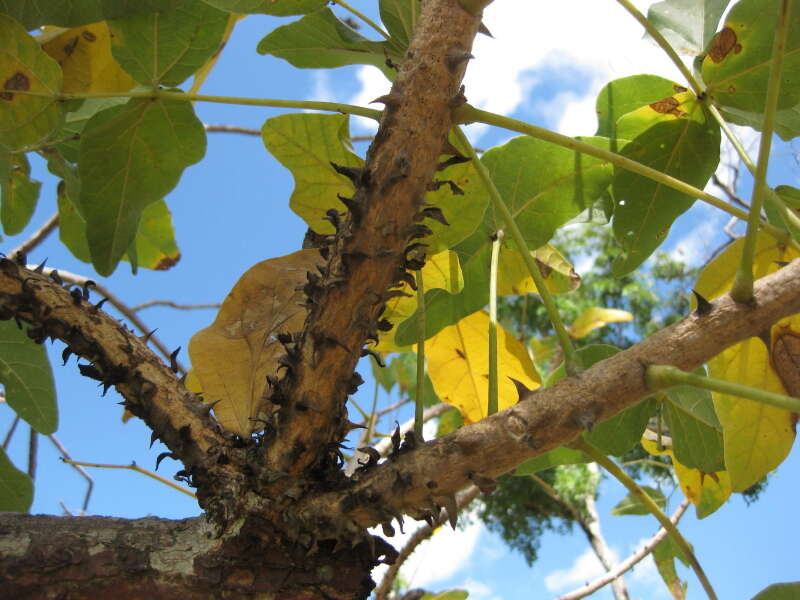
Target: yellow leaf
{"x":84,"y":54}
{"x":513,"y":276}
{"x":441,"y":270}
{"x":707,"y":491}
{"x":596,"y":317}
{"x":233,"y":356}
{"x":757,"y":437}
{"x":458,"y":365}
{"x":202,"y":74}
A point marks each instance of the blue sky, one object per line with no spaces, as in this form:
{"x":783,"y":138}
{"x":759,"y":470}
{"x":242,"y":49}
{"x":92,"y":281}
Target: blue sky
{"x":230,"y":211}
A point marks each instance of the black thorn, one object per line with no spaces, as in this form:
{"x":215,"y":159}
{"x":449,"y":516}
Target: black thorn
{"x":452,"y":184}
{"x":373,"y":354}
{"x":354,"y":174}
{"x":703,"y":306}
{"x":453,"y":160}
{"x":56,"y":277}
{"x":435,"y":213}
{"x":40,"y":268}
{"x":91,"y":372}
{"x":145,"y":338}
{"x":173,"y":362}
{"x":164,"y":455}
{"x":153,"y":438}
{"x":385,"y":325}
{"x":65,"y":354}
{"x":77,"y":296}
{"x":21,"y":258}
{"x":99,"y":305}
{"x":89,"y":283}
{"x":418,"y":231}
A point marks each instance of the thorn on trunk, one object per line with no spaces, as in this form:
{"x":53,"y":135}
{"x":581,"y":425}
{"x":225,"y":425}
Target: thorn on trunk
{"x":704,"y":307}
{"x":85,"y":291}
{"x":40,"y":268}
{"x":173,"y":360}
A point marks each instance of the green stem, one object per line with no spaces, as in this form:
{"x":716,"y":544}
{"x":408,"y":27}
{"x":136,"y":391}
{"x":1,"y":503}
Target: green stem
{"x":470,"y":114}
{"x":132,"y":467}
{"x":363,"y":17}
{"x":664,"y":376}
{"x":609,"y":465}
{"x":572,"y":362}
{"x":493,"y":363}
{"x":418,"y":401}
{"x":742,"y":290}
{"x":665,"y":45}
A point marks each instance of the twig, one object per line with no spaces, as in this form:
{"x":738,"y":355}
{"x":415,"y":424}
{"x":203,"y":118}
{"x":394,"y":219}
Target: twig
{"x":170,"y":304}
{"x":133,"y":467}
{"x":10,"y":433}
{"x":33,"y":447}
{"x":81,"y":471}
{"x":628,"y":563}
{"x":230,"y":129}
{"x":37,"y":237}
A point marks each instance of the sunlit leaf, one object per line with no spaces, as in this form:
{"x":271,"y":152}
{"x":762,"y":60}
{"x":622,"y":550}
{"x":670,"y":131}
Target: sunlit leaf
{"x":628,"y":94}
{"x":757,"y":437}
{"x":737,"y":63}
{"x":278,"y":8}
{"x":307,"y":144}
{"x":398,"y":17}
{"x":167,"y":47}
{"x":26,"y":119}
{"x":687,"y":25}
{"x":155,"y":239}
{"x":594,"y":318}
{"x":131,"y":156}
{"x":19,"y":192}
{"x":780,"y":591}
{"x":514,"y":278}
{"x":233,"y":356}
{"x":25,"y":372}
{"x":664,"y":555}
{"x":16,"y":487}
{"x":84,"y":54}
{"x":458,"y":365}
{"x":633,"y":505}
{"x":451,"y":595}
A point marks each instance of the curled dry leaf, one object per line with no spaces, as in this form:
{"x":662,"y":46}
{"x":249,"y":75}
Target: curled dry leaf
{"x":233,"y":356}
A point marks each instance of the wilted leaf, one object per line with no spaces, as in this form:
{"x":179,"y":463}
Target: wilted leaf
{"x":278,"y":8}
{"x":633,"y":505}
{"x":594,"y":318}
{"x":84,"y":54}
{"x":233,"y":356}
{"x":26,"y":119}
{"x":19,"y":192}
{"x":25,"y":372}
{"x":458,"y":365}
{"x":687,"y":24}
{"x":16,"y":488}
{"x":757,"y":437}
{"x":513,"y":276}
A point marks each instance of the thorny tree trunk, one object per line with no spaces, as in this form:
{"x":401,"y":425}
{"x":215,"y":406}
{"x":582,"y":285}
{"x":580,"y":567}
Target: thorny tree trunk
{"x":281,"y":520}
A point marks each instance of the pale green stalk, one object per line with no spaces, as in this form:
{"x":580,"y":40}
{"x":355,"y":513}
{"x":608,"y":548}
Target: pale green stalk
{"x":663,"y":43}
{"x":470,"y":114}
{"x":609,"y":465}
{"x":572,"y":362}
{"x":664,"y":376}
{"x":418,"y":401}
{"x":363,"y":17}
{"x":132,"y":467}
{"x":497,"y":242}
{"x":742,"y":290}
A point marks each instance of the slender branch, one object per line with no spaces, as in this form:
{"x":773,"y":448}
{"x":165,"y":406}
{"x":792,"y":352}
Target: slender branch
{"x":393,"y":407}
{"x":664,"y":376}
{"x":231,"y":129}
{"x":609,"y":465}
{"x":132,"y":467}
{"x":33,"y":448}
{"x":37,"y":237}
{"x":628,"y":563}
{"x":493,"y":366}
{"x":171,"y":304}
{"x":742,"y":290}
{"x":81,"y":471}
{"x":419,"y":404}
{"x":10,"y":433}
{"x":363,"y":17}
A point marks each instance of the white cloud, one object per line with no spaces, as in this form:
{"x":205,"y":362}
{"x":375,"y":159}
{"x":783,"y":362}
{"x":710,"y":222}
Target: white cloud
{"x":478,"y":590}
{"x":584,"y":568}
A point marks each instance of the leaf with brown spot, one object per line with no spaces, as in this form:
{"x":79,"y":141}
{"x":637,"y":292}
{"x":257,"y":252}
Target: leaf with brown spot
{"x":722,"y":43}
{"x":233,"y":356}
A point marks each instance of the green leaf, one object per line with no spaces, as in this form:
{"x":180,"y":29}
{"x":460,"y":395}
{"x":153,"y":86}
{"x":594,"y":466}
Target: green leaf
{"x":25,"y":372}
{"x":553,"y":458}
{"x":619,"y":434}
{"x":26,"y":119}
{"x":71,"y":226}
{"x":131,"y":156}
{"x":321,"y":41}
{"x":625,"y":95}
{"x":787,"y":121}
{"x":278,"y":8}
{"x":451,"y":595}
{"x":737,"y":62}
{"x":402,"y":371}
{"x":633,"y":505}
{"x":155,"y":244}
{"x":780,"y":591}
{"x":166,"y":48}
{"x":687,"y":25}
{"x":398,"y":17}
{"x":664,"y":555}
{"x":71,"y":13}
{"x":695,"y":429}
{"x":673,"y":136}
{"x":16,"y":488}
{"x":19,"y":192}
{"x":307,"y":144}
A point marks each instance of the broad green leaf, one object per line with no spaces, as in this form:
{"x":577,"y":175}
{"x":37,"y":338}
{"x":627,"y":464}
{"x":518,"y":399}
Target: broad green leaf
{"x":619,"y":434}
{"x":513,"y":276}
{"x":278,"y":8}
{"x":203,"y":72}
{"x":16,"y":487}
{"x":633,"y":505}
{"x":166,"y":48}
{"x":19,"y":192}
{"x":71,"y":226}
{"x":25,"y":372}
{"x":707,"y":491}
{"x":775,"y":216}
{"x":553,"y":458}
{"x":694,"y":428}
{"x":780,"y":591}
{"x":458,"y":365}
{"x":787,"y":121}
{"x":664,"y":555}
{"x":264,"y":302}
{"x":543,"y":185}
{"x":441,"y":271}
{"x":737,"y":62}
{"x":307,"y":144}
{"x":74,"y":123}
{"x":24,"y":66}
{"x":451,"y":595}
{"x":321,"y":41}
{"x":594,"y":318}
{"x":687,"y":25}
{"x":628,"y":94}
{"x":757,"y":437}
{"x":675,"y":137}
{"x":84,"y":54}
{"x":398,"y":17}
{"x":131,"y":156}
{"x":73,"y":13}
